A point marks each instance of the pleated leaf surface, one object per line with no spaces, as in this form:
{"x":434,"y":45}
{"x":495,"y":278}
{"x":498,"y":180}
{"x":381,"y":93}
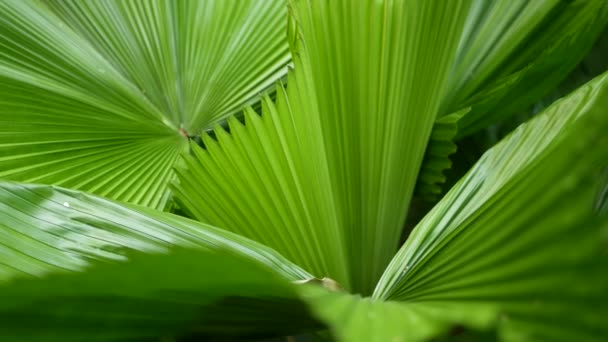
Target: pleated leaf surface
{"x":101,"y":95}
{"x":345,"y":148}
{"x":523,"y":230}
{"x":77,"y":267}
{"x":512,"y":53}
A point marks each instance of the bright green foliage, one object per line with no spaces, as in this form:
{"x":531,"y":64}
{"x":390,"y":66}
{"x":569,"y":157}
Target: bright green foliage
{"x":46,"y":229}
{"x":377,"y":103}
{"x":520,"y":229}
{"x":222,"y":279}
{"x":110,"y":97}
{"x":345,"y":191}
{"x":356,"y":319}
{"x":259,"y":181}
{"x":227,"y":286}
{"x":513,"y":52}
{"x":185,"y":293}
{"x":98,"y":95}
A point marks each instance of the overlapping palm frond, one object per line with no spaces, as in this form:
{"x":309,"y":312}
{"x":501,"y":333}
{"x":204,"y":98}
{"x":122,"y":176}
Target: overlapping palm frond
{"x":109,"y":97}
{"x":77,"y":267}
{"x":101,"y":95}
{"x":331,"y":169}
{"x":521,"y":230}
{"x":514,"y":52}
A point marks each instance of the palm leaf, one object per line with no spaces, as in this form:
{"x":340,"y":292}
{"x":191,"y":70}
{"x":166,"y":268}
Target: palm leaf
{"x":188,"y":293}
{"x":437,"y":156}
{"x":257,"y":182}
{"x":78,"y":267}
{"x":355,"y":319}
{"x":514,"y":52}
{"x":100,"y":96}
{"x":75,"y":266}
{"x":47,"y":229}
{"x":329,"y":171}
{"x":520,"y":230}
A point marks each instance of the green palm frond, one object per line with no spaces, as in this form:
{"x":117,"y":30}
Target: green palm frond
{"x":331,"y":171}
{"x":257,"y":181}
{"x":520,"y":230}
{"x":101,"y":95}
{"x":187,"y":293}
{"x":77,"y":267}
{"x":514,"y":52}
{"x":48,"y":229}
{"x":355,"y":319}
{"x":122,"y":109}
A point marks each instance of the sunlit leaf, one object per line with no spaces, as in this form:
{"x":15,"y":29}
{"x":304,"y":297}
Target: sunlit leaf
{"x":100,"y":95}
{"x":77,"y":267}
{"x":355,"y":319}
{"x":187,"y":293}
{"x":520,"y":230}
{"x":46,"y":229}
{"x":329,"y":171}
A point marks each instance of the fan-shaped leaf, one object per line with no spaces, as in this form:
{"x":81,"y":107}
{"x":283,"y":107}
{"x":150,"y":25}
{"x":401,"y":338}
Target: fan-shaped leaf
{"x":514,"y":52}
{"x":355,"y":319}
{"x":330,"y":170}
{"x":77,"y":267}
{"x":46,"y":229}
{"x":520,"y":230}
{"x":100,"y":95}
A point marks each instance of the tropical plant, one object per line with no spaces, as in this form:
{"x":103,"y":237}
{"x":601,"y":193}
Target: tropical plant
{"x":139,"y":201}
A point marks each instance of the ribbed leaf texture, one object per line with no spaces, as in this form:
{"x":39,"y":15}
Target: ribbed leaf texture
{"x":330,"y":171}
{"x":513,"y":52}
{"x":76,"y":267}
{"x":100,"y":95}
{"x":522,"y":231}
{"x":437,"y":156}
{"x":47,"y":229}
{"x":184,"y":294}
